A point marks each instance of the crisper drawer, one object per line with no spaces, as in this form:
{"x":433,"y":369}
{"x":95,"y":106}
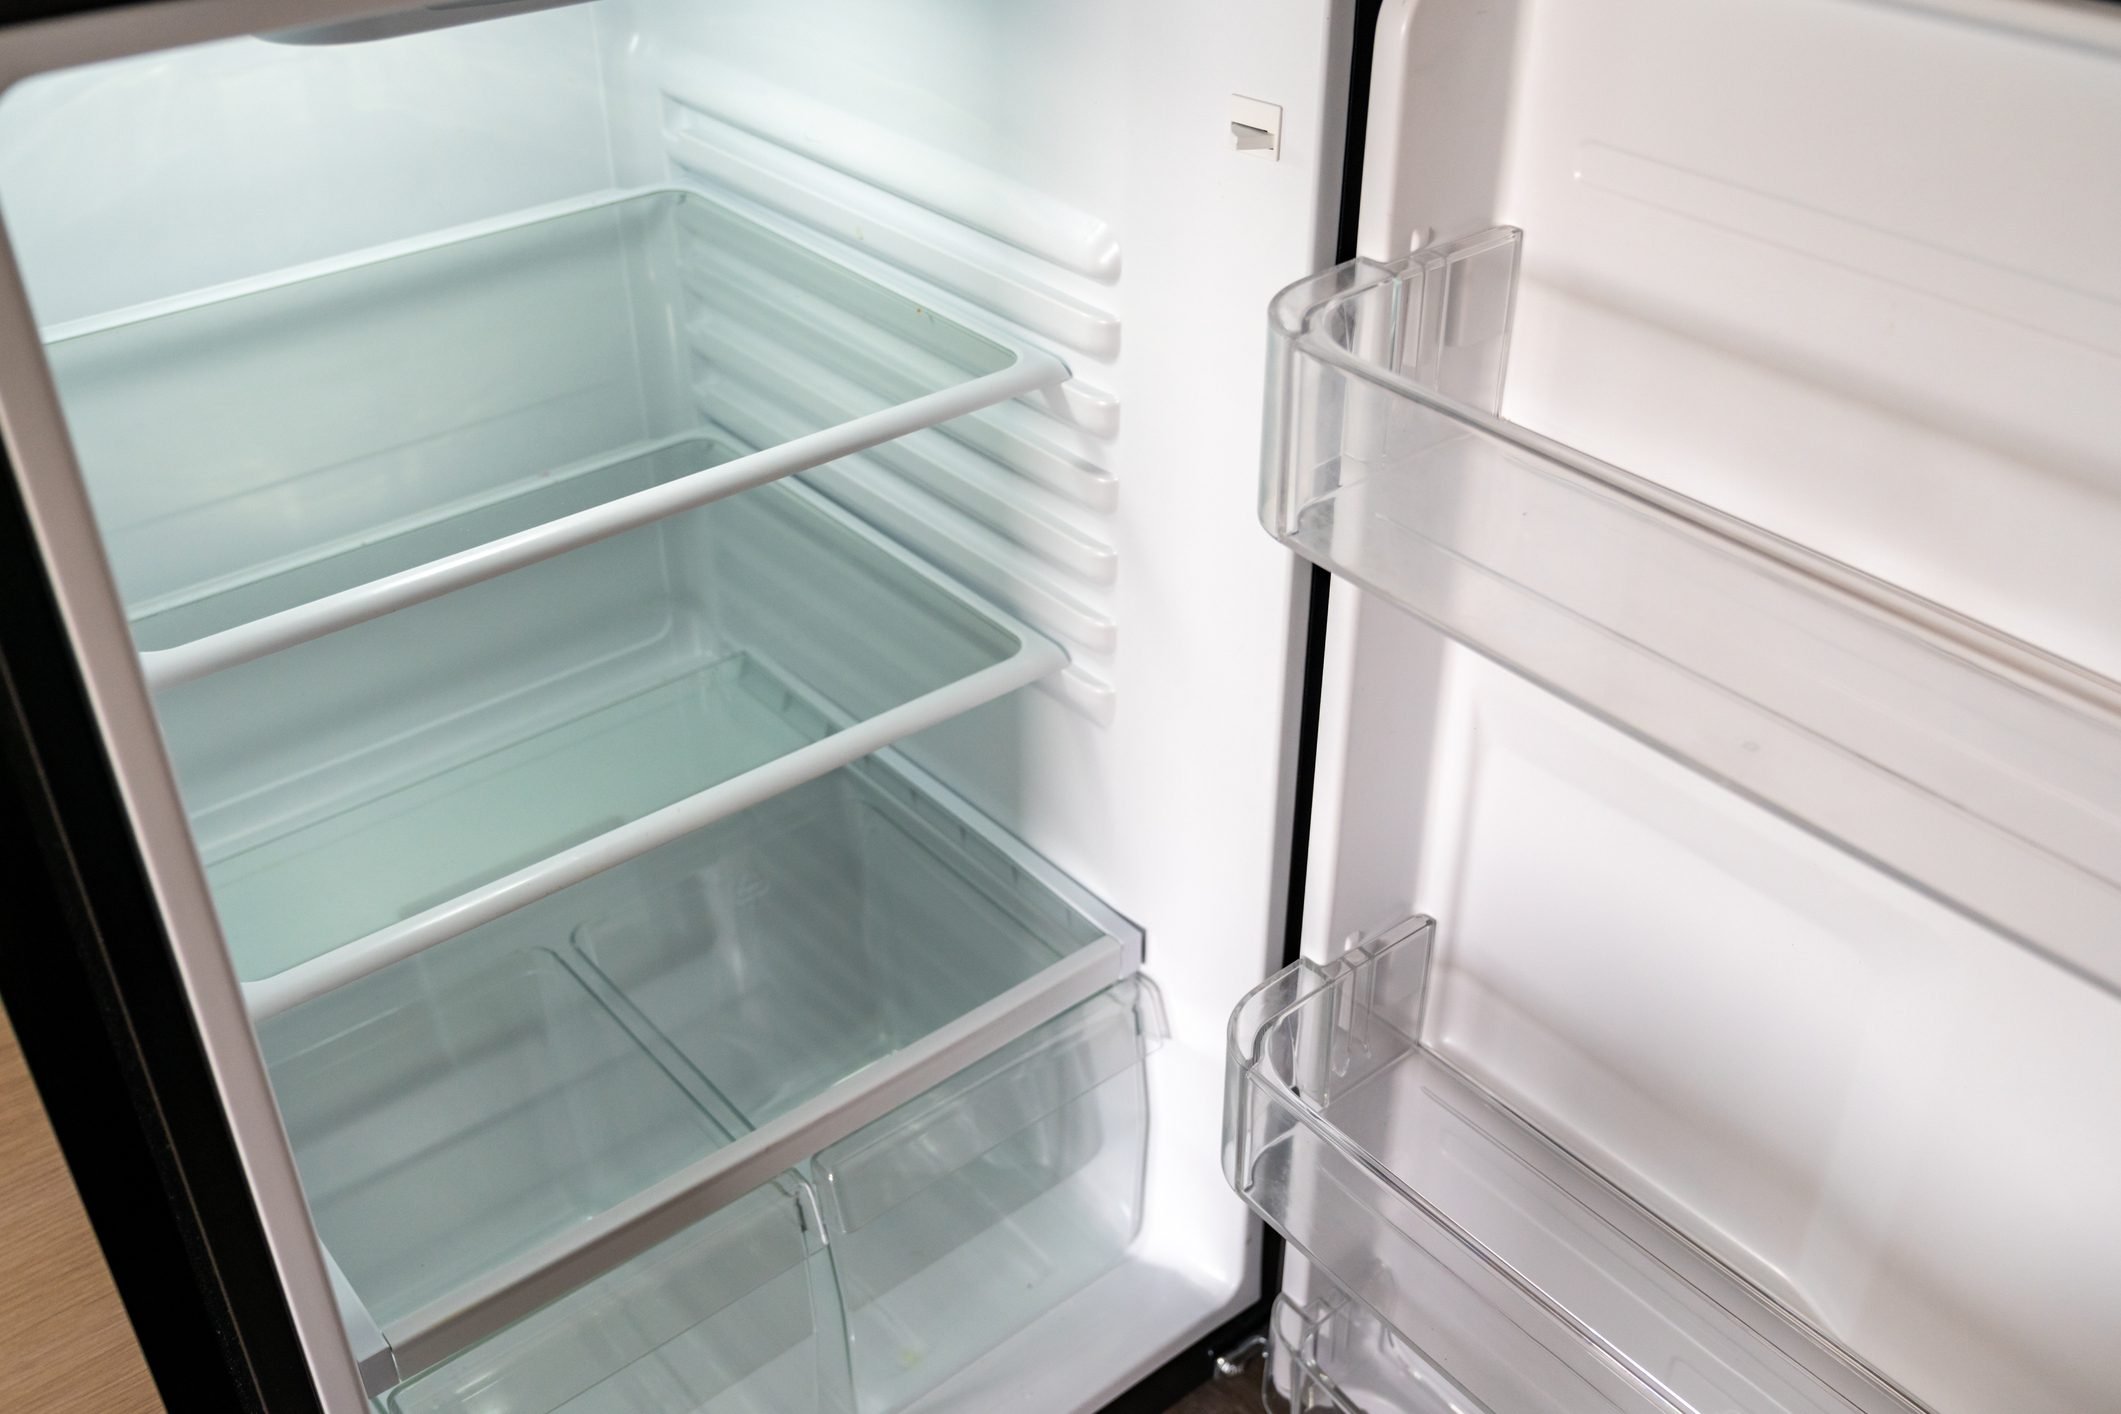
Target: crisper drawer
{"x":737,"y":1313}
{"x":958,"y":1219}
{"x":858,"y":979}
{"x":945,"y":1226}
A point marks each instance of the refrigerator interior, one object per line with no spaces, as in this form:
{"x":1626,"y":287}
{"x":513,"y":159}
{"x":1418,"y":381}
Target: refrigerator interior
{"x":430,"y":395}
{"x":1841,"y":271}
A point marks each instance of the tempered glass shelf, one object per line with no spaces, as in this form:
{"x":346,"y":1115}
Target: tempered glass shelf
{"x":739,"y":650}
{"x":281,"y":457}
{"x":422,"y":845}
{"x":1973,"y":766}
{"x":368,"y":555}
{"x":497,"y":1124}
{"x":1530,"y":1283}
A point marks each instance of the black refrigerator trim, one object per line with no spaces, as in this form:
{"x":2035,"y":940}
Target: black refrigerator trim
{"x":90,"y":983}
{"x":23,"y":12}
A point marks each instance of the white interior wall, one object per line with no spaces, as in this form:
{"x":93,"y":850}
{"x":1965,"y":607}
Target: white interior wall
{"x":1841,"y":268}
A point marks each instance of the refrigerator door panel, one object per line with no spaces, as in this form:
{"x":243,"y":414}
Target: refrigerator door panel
{"x":1827,"y":285}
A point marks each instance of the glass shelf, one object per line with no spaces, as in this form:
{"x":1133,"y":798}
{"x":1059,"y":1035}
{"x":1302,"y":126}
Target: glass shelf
{"x":1522,"y":1279}
{"x":282,"y":457}
{"x":1971,"y":765}
{"x":597,"y":706}
{"x":499,"y":1124}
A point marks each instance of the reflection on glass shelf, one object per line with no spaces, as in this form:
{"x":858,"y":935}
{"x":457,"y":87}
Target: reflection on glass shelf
{"x":376,"y":791}
{"x":465,"y":1120}
{"x":285,"y":456}
{"x":1528,"y":1281}
{"x":1970,"y":764}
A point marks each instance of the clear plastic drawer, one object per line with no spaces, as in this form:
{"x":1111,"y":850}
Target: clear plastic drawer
{"x":738,"y":1314}
{"x":958,"y":1219}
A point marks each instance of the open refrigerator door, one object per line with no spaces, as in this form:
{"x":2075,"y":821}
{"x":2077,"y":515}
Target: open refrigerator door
{"x":1710,"y":955}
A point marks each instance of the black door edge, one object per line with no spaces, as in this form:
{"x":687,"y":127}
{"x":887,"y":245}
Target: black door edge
{"x":90,"y":985}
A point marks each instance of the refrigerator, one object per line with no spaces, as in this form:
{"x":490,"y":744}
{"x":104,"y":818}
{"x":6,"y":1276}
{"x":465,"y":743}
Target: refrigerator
{"x":924,"y":706}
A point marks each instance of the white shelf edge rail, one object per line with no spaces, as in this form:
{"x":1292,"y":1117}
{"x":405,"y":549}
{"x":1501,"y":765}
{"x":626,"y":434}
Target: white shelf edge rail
{"x":445,"y":1327}
{"x":1977,"y":768}
{"x":1030,"y":370}
{"x":1035,"y":656}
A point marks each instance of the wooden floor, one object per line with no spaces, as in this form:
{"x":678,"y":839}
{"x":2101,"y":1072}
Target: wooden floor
{"x":65,"y":1345}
